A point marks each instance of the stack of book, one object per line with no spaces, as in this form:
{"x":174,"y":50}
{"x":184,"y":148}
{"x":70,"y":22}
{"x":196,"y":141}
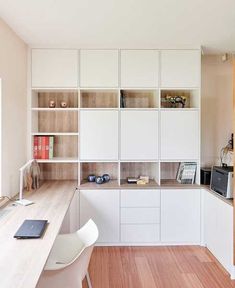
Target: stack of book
{"x":43,"y":147}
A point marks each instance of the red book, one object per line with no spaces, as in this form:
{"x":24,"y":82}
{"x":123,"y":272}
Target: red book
{"x":35,"y":147}
{"x":47,"y":147}
{"x":43,"y":155}
{"x":39,"y":147}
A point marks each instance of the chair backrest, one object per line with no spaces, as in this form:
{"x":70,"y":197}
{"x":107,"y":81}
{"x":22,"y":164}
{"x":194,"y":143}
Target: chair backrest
{"x":88,"y":233}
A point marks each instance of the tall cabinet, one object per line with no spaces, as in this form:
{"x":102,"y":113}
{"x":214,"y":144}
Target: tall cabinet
{"x":117,"y":122}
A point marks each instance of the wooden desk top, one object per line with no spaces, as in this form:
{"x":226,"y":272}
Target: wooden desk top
{"x":22,"y":261}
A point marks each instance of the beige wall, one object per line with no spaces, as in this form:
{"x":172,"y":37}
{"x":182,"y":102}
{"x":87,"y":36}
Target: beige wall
{"x":13,"y":71}
{"x":217,"y":109}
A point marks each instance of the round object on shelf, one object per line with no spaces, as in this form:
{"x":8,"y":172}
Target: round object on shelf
{"x":106,"y":177}
{"x":63,"y":104}
{"x":91,"y":178}
{"x":99,"y":180}
{"x":51,"y":104}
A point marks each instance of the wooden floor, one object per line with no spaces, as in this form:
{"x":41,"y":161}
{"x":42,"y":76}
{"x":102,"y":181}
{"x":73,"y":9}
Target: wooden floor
{"x":160,"y":267}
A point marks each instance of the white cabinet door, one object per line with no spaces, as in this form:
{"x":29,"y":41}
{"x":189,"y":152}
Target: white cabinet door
{"x":139,"y":68}
{"x":180,"y":215}
{"x":179,"y":135}
{"x":180,"y":68}
{"x":139,"y":135}
{"x":54,"y":68}
{"x":218,"y":229}
{"x":103,"y":207}
{"x":99,"y":68}
{"x":99,"y":135}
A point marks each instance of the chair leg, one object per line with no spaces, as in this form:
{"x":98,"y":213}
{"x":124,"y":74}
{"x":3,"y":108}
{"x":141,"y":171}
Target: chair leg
{"x":88,"y":279}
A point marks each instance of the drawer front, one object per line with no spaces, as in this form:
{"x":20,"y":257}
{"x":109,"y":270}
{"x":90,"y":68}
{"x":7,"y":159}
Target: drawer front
{"x":140,"y":233}
{"x":140,"y":198}
{"x":140,"y":215}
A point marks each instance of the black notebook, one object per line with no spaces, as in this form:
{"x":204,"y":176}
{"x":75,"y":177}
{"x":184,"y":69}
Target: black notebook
{"x":31,"y":229}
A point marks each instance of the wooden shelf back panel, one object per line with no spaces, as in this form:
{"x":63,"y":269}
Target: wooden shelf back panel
{"x":99,"y":99}
{"x":169,"y":170}
{"x":139,"y":99}
{"x":59,"y":171}
{"x":65,"y":146}
{"x":58,"y":121}
{"x":99,"y":169}
{"x":136,"y":169}
{"x":45,"y":97}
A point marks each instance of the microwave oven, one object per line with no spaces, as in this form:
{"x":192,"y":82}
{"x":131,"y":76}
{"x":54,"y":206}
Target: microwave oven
{"x":222,"y":181}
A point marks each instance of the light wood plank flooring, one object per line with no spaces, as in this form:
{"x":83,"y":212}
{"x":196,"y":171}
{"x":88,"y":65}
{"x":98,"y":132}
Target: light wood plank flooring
{"x":156,"y":267}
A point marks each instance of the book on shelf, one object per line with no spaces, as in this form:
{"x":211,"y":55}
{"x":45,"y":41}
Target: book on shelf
{"x":51,"y":146}
{"x":43,"y":147}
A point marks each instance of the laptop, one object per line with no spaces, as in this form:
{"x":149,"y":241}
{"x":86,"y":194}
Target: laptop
{"x":31,"y":229}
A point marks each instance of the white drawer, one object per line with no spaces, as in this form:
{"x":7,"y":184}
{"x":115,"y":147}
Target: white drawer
{"x":140,"y":233}
{"x":140,"y":215}
{"x":140,"y":198}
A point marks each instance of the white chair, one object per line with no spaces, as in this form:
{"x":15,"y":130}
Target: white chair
{"x":69,"y":259}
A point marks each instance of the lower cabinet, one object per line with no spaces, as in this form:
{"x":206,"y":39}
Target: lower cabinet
{"x":140,"y":216}
{"x":181,"y":215}
{"x":218,"y":229}
{"x":103,"y":207}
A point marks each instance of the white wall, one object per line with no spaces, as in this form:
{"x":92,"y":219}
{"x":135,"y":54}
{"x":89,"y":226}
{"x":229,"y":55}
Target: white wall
{"x":217,"y":107}
{"x":13,"y":71}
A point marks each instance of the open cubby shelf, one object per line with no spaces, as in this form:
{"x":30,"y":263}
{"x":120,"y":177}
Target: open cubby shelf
{"x":192,"y":98}
{"x":99,"y":98}
{"x":168,"y":174}
{"x":98,"y":169}
{"x":136,"y":169}
{"x":138,"y":99}
{"x":58,"y":171}
{"x":54,"y":121}
{"x":41,"y":99}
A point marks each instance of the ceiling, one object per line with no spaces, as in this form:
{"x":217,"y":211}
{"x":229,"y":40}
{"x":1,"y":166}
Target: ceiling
{"x":123,"y":23}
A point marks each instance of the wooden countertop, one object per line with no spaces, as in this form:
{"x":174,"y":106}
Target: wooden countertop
{"x":22,"y":261}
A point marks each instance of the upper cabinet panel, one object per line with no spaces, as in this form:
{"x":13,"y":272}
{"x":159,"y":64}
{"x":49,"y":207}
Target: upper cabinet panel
{"x":139,"y":68}
{"x":53,"y":68}
{"x":99,"y":68}
{"x":180,"y":68}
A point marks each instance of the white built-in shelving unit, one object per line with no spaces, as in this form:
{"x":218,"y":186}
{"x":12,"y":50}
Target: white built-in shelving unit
{"x":116,"y":122}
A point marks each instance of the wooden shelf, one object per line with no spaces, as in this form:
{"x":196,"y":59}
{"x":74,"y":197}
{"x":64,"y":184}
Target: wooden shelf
{"x":112,"y":184}
{"x":55,"y":109}
{"x":59,"y":160}
{"x":55,"y":133}
{"x":151,"y":184}
{"x":173,"y":183}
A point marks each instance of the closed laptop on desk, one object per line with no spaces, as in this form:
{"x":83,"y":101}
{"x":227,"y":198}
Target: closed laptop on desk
{"x":31,"y":229}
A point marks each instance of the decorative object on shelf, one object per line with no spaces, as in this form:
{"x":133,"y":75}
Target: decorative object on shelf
{"x":226,"y":154}
{"x":132,"y":180}
{"x":91,"y":178}
{"x":29,"y":181}
{"x":35,"y":174}
{"x":106,"y":177}
{"x":144,"y":178}
{"x":99,"y":180}
{"x":63,"y":104}
{"x":122,"y":100}
{"x":176,"y":101}
{"x":186,"y":172}
{"x":52,"y":104}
